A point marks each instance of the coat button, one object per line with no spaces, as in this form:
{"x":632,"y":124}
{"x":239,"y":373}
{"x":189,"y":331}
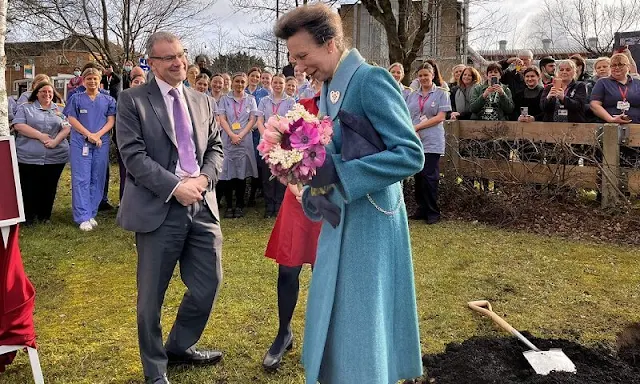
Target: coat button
{"x":175,"y":162}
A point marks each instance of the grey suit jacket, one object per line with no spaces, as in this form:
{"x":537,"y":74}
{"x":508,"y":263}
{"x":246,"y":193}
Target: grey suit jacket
{"x":147,"y":144}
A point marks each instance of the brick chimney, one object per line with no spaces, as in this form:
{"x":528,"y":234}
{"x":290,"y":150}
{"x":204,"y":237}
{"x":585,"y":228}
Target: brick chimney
{"x":546,"y":44}
{"x":503,"y":45}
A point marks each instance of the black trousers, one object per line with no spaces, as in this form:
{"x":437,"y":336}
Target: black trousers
{"x":238,"y":186}
{"x":426,"y":191}
{"x":39,"y":185}
{"x":273,"y":190}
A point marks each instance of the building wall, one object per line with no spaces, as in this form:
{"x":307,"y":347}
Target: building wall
{"x":52,"y":63}
{"x":442,"y":42}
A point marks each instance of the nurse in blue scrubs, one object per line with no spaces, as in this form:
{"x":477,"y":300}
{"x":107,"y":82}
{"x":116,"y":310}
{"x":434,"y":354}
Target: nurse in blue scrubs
{"x":92,"y":115}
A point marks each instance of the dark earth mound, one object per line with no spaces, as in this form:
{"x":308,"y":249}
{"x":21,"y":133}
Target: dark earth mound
{"x":485,"y":360}
{"x":628,"y":343}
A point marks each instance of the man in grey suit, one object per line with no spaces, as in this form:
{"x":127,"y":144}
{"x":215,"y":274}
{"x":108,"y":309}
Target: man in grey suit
{"x":171,"y":147}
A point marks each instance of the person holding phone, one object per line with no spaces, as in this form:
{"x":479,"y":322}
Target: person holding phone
{"x":564,"y":99}
{"x":527,"y":101}
{"x":616,"y":99}
{"x":492,"y":100}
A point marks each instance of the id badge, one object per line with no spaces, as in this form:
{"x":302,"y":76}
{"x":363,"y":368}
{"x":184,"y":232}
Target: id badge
{"x":423,"y":118}
{"x":563,"y":112}
{"x":85,"y":150}
{"x":623,"y":105}
{"x":488,"y":110}
{"x":83,"y":111}
{"x":236,"y":126}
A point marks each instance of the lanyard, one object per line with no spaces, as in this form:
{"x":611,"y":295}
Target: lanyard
{"x":422,"y":101}
{"x":624,"y":94}
{"x":274,"y":107}
{"x":239,"y":109}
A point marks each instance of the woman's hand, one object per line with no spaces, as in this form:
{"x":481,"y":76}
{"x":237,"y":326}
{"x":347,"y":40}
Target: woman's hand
{"x":487,"y":92}
{"x":526,"y":119}
{"x":52,"y":143}
{"x":236,"y":139}
{"x":94,"y":138}
{"x":620,"y":119}
{"x":44,"y":138}
{"x":552,"y":92}
{"x":499,"y":89}
{"x":454,"y":115}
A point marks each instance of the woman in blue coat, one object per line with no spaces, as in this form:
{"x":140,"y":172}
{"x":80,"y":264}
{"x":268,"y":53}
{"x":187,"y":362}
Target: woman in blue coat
{"x":361,"y":322}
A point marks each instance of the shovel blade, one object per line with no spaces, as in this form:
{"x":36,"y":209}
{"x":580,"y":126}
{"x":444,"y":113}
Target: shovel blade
{"x":543,"y":362}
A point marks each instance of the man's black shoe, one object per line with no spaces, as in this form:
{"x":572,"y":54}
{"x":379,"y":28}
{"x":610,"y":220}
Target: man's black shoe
{"x":418,"y":216}
{"x":193,"y":356}
{"x":158,"y":380}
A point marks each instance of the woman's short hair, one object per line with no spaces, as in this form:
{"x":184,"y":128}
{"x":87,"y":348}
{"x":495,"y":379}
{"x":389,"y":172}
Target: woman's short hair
{"x":291,"y":78}
{"x":254,"y":69}
{"x":453,"y":79}
{"x":91,"y":71}
{"x":571,"y":64}
{"x":241,"y":74}
{"x":427,"y":66}
{"x":578,"y":60}
{"x":494,"y":67}
{"x":34,"y":94}
{"x":531,"y":68}
{"x":620,"y":58}
{"x":396,"y":64}
{"x":601,"y":59}
{"x":40,"y":78}
{"x":319,"y":20}
{"x":202,"y":76}
{"x":475,"y":75}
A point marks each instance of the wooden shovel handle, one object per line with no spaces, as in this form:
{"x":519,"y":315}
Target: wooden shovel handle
{"x":484,"y":307}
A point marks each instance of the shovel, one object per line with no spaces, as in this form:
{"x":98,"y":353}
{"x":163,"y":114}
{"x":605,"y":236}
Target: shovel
{"x":542,"y":362}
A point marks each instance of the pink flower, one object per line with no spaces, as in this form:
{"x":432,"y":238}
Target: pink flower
{"x":278,"y":124}
{"x":326,"y":131}
{"x":265,"y":147}
{"x":305,"y":136}
{"x":274,"y":137}
{"x":314,"y":157}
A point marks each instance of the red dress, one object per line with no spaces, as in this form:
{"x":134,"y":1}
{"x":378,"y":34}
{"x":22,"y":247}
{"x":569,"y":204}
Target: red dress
{"x":294,"y":239}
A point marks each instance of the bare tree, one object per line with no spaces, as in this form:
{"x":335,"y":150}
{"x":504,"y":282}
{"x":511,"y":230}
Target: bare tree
{"x":100,"y":24}
{"x":4,"y":107}
{"x":581,"y":20}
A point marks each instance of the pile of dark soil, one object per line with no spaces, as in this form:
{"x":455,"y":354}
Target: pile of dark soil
{"x":525,"y":209}
{"x":485,"y":360}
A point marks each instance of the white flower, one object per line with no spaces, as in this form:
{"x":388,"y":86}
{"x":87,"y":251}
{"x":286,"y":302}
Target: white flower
{"x":286,"y":159}
{"x":298,"y":112}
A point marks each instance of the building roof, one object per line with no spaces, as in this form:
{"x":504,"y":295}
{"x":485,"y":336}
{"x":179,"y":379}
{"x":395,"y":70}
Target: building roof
{"x":541,"y":52}
{"x":39,"y":48}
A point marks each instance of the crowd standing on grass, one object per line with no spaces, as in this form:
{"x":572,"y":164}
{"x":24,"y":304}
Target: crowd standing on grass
{"x":186,"y":144}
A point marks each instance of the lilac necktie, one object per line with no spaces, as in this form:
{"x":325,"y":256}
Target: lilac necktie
{"x":186,"y":149}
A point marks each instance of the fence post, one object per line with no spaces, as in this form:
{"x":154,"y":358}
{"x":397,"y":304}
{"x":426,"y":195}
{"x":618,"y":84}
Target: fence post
{"x":452,"y":137}
{"x":610,"y":165}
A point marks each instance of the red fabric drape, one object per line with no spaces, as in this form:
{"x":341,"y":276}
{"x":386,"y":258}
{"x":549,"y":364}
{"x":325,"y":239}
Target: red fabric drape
{"x":17,"y":299}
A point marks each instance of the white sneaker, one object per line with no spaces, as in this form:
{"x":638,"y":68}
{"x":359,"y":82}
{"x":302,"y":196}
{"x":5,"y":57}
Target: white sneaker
{"x":93,"y":222}
{"x":86,"y":226}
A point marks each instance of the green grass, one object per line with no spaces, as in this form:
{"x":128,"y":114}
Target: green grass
{"x":85,"y":306}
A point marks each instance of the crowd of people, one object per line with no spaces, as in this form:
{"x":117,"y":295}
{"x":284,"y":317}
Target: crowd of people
{"x":213,"y":124}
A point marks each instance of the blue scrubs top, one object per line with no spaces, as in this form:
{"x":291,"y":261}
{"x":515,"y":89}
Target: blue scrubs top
{"x":609,"y":91}
{"x":49,"y":121}
{"x":92,"y":114}
{"x":258,"y":94}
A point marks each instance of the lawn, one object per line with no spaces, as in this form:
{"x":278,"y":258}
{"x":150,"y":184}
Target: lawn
{"x":85,"y":306}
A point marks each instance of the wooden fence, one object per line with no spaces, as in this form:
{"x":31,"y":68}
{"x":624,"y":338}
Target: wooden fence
{"x":603,"y":173}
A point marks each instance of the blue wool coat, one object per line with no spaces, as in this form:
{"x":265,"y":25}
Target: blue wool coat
{"x":361,"y":322}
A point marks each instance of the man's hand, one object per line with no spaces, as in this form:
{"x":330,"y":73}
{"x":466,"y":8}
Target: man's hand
{"x":189,"y":191}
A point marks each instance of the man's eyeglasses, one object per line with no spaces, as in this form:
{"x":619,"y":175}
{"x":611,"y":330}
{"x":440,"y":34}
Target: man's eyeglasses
{"x":618,"y":65}
{"x":170,"y":58}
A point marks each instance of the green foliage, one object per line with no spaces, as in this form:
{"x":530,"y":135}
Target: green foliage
{"x":85,"y":306}
{"x":236,"y":62}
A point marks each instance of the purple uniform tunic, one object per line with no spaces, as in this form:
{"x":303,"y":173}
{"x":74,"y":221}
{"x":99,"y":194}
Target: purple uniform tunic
{"x":239,"y":160}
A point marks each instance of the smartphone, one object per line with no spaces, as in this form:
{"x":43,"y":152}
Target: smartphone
{"x":494,"y":81}
{"x":524,"y":111}
{"x":557,"y":82}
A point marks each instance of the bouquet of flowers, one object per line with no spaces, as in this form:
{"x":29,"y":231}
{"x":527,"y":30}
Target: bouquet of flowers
{"x":293,"y":145}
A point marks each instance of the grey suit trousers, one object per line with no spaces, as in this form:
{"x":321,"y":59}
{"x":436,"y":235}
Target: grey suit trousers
{"x":191,"y":237}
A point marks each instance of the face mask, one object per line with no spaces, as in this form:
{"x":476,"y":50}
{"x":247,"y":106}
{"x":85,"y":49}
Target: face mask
{"x":127,"y":68}
{"x":77,"y":73}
